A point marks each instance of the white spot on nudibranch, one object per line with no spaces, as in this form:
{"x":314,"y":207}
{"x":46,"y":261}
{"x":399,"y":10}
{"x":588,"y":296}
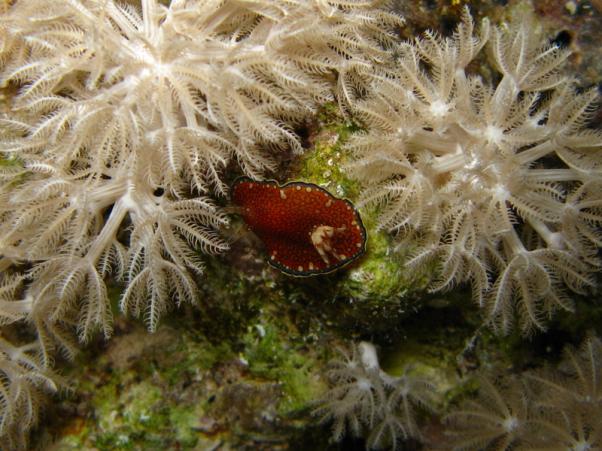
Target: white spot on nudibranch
{"x":321,"y":240}
{"x":282,"y":195}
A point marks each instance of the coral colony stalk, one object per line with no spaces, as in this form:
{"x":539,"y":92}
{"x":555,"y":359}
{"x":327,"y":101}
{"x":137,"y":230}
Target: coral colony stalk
{"x":498,"y":185}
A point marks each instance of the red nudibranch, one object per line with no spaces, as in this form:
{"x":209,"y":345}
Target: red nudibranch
{"x":306,"y":230}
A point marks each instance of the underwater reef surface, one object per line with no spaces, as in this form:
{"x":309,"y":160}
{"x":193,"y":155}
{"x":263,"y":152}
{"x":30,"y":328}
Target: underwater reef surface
{"x":246,"y":368}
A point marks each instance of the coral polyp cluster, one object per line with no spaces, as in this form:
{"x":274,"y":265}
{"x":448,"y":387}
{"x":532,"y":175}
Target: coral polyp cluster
{"x":118,"y":124}
{"x":544,"y":409}
{"x":366,"y":401}
{"x":24,"y":384}
{"x":494,"y":184}
{"x":126,"y":119}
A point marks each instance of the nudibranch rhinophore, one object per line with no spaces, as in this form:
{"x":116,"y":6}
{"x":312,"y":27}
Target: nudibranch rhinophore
{"x":305,"y":229}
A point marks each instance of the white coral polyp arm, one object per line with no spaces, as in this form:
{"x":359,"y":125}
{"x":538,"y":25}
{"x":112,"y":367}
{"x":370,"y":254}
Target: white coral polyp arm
{"x":109,"y":231}
{"x":15,"y":310}
{"x":554,"y":240}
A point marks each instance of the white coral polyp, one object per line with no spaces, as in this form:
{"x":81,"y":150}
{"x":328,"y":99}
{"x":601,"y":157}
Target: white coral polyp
{"x":509,"y":193}
{"x":439,"y":108}
{"x":493,"y":134}
{"x":364,"y":384}
{"x":510,"y":424}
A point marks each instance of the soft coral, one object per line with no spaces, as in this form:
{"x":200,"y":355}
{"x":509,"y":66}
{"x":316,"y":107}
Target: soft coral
{"x":497,"y":185}
{"x":365,"y":400}
{"x":126,"y":119}
{"x":119,"y":125}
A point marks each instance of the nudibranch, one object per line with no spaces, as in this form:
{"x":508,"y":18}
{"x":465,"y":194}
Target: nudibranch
{"x":305,"y":229}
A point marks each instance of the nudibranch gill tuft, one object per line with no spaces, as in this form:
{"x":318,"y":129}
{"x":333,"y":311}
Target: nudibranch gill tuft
{"x":306,"y":230}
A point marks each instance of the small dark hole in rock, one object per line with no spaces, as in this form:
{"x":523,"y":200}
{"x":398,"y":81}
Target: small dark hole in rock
{"x":563,"y":39}
{"x":431,"y":4}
